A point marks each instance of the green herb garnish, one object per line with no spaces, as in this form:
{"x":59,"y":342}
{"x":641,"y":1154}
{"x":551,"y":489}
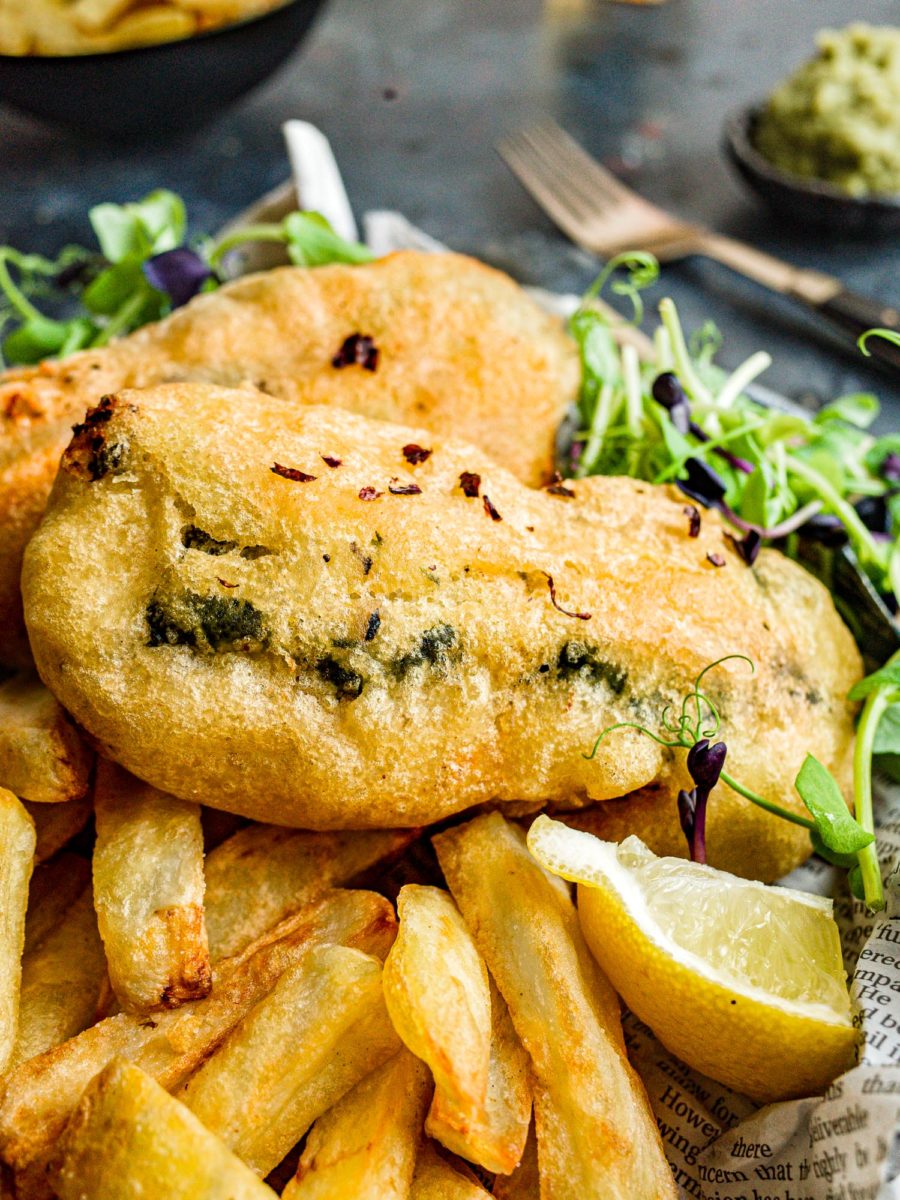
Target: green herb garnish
{"x":770,"y":473}
{"x":837,"y":835}
{"x":141,"y":270}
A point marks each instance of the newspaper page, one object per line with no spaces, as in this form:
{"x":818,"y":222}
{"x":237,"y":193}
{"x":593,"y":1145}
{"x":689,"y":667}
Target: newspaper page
{"x":844,"y":1145}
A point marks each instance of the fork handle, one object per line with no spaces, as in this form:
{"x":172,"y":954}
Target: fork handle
{"x":844,"y":310}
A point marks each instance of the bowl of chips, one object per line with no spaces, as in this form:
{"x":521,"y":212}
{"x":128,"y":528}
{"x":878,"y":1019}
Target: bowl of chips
{"x":129,"y":68}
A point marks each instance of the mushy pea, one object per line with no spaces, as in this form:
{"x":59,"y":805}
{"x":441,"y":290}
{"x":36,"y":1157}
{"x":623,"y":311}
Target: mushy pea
{"x":837,"y":118}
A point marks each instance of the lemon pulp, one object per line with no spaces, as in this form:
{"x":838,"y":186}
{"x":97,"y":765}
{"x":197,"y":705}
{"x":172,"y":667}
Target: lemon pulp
{"x":741,"y":980}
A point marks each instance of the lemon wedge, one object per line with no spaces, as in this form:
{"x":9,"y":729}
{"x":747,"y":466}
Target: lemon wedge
{"x":741,"y":980}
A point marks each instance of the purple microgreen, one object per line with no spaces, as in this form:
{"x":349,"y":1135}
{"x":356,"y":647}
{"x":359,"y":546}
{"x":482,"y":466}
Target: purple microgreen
{"x":668,"y":392}
{"x":874,"y":514}
{"x":890,"y":467}
{"x":748,"y":547}
{"x":179,"y":273}
{"x":693,"y":515}
{"x":735,"y":460}
{"x":705,"y":762}
{"x":797,"y":520}
{"x":702,"y":484}
{"x":692,"y":815}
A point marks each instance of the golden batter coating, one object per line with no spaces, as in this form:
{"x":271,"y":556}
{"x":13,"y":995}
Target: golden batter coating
{"x":319,"y":620}
{"x":456,"y":347}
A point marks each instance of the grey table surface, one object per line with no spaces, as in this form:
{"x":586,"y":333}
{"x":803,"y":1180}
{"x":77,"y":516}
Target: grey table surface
{"x":414,"y":94}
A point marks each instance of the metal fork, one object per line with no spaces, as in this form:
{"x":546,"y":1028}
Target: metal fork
{"x":598,"y":212}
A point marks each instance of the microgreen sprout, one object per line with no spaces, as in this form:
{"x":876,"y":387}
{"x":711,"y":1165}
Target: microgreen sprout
{"x":143,"y":270}
{"x":678,"y":418}
{"x":889,"y":335}
{"x":837,"y":835}
{"x":641,"y":270}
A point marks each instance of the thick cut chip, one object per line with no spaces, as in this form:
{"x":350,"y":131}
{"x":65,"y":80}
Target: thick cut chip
{"x":435,"y":1179}
{"x":54,"y":887}
{"x":524,"y":1183}
{"x":62,"y":980}
{"x":342,"y":651}
{"x":493,"y":1133}
{"x":264,"y":873}
{"x":129,"y":1138}
{"x":39,"y":1095}
{"x":461,"y":351}
{"x":596,"y":1134}
{"x":321,"y":1029}
{"x":17,"y":841}
{"x":437,"y":993}
{"x":148,"y":890}
{"x":42,"y":756}
{"x":365,"y":1147}
{"x":56,"y":824}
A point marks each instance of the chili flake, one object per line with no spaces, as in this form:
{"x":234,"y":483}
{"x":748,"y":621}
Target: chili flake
{"x":556,"y":487}
{"x":490,"y":509}
{"x":415,"y":454}
{"x":357,"y":350}
{"x":470,"y":483}
{"x":292,"y":473}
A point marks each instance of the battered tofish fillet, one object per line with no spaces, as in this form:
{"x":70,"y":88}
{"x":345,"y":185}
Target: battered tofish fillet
{"x":314,"y":619}
{"x":455,"y":347}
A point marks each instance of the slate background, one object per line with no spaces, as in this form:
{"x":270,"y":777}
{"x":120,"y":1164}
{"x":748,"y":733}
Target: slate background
{"x":414,"y":93}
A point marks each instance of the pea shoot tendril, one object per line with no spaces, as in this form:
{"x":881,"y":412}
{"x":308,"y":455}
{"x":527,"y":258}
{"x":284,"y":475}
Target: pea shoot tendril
{"x":843,"y":839}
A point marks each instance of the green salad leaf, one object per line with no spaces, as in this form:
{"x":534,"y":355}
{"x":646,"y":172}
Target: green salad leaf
{"x":837,"y":830}
{"x":772,"y":474}
{"x":141,"y":270}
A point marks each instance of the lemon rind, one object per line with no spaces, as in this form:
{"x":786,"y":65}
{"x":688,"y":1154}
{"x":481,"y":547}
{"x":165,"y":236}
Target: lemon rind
{"x":602,"y":869}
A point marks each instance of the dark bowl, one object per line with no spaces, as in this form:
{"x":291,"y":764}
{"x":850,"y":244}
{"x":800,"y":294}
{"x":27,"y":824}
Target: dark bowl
{"x":150,"y":90}
{"x":810,"y":201}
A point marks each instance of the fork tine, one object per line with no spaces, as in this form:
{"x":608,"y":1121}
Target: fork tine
{"x":568,"y":215}
{"x":564,"y":156}
{"x":563,"y":152}
{"x":588,"y":202}
{"x":557,"y":173}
